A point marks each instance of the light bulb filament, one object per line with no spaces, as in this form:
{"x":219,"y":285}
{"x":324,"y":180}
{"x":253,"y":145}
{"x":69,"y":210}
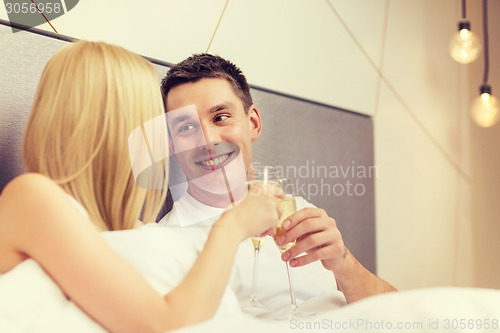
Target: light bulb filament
{"x":485,"y":97}
{"x":465,"y":35}
{"x":485,"y":110}
{"x":464,"y":46}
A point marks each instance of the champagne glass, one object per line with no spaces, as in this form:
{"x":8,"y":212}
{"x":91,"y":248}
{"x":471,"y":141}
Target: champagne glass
{"x":288,"y":206}
{"x":253,"y":305}
{"x":267,"y":176}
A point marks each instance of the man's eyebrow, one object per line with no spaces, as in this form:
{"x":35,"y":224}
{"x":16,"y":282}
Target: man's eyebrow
{"x":175,"y":120}
{"x":220,"y":106}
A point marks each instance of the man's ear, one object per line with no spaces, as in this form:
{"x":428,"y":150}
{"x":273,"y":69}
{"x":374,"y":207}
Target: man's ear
{"x":255,"y":122}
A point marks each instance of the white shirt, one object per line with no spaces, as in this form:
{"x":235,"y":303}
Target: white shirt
{"x":272,"y":284}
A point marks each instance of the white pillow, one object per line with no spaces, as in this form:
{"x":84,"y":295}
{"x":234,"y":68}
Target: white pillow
{"x":32,"y":302}
{"x":164,"y":255}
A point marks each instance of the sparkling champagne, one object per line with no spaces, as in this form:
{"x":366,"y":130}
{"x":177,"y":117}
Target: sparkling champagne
{"x":257,"y":242}
{"x":288,"y":207}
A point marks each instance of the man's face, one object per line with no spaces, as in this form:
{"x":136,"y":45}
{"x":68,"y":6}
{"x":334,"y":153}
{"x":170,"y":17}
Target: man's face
{"x":212,"y":131}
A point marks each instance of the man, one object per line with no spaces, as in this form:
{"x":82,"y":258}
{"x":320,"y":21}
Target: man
{"x":212,"y":122}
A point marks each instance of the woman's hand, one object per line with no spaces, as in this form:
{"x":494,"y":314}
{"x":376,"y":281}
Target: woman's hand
{"x":257,"y":214}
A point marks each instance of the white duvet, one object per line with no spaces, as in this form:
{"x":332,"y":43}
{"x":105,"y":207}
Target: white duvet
{"x":422,"y":310}
{"x":31,"y":302}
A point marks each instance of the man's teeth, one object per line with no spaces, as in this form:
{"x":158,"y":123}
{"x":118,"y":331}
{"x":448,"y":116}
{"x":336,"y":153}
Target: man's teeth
{"x":215,"y":161}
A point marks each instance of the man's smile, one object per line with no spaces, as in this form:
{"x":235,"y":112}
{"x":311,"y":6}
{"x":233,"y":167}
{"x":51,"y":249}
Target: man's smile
{"x":216,"y":156}
{"x":214,"y":161}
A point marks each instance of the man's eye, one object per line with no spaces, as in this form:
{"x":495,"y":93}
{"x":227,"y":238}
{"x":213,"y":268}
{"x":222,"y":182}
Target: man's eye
{"x":221,"y":117}
{"x":185,"y":128}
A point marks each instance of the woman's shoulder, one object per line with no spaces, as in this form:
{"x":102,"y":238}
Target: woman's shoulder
{"x":29,"y":194}
{"x":28,"y":190}
{"x":28,"y":182}
{"x":22,"y":204}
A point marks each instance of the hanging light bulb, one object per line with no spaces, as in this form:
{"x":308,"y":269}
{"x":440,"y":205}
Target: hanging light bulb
{"x":484,"y":110}
{"x":464,"y":45}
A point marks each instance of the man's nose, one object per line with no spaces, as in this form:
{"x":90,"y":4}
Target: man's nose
{"x":210,"y":134}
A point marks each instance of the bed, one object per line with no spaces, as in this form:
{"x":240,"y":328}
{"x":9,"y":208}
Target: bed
{"x":440,"y":309}
{"x":31,"y":302}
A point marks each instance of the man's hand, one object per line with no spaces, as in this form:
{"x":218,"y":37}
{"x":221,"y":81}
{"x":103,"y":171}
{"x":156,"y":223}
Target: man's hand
{"x":317,"y":235}
{"x":319,"y":238}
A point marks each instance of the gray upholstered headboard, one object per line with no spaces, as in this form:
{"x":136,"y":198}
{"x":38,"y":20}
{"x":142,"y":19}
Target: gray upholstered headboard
{"x":329,"y":150}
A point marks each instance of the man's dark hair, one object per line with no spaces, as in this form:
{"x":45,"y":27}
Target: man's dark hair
{"x":204,"y":65}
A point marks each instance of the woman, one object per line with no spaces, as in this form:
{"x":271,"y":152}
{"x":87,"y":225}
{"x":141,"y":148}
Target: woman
{"x":91,"y":96}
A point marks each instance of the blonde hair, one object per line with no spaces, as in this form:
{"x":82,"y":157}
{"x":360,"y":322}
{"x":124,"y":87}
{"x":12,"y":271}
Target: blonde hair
{"x":90,"y":97}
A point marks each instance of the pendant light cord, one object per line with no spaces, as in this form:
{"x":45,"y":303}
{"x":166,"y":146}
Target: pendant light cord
{"x":486,"y":47}
{"x":217,"y":27}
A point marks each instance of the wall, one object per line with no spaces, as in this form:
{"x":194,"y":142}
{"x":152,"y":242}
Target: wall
{"x":485,"y":161}
{"x":422,"y":146}
{"x":437,"y":187}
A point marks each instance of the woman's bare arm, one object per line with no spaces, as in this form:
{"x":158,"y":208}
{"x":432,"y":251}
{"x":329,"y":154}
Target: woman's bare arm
{"x":38,"y":220}
{"x":203,"y":286}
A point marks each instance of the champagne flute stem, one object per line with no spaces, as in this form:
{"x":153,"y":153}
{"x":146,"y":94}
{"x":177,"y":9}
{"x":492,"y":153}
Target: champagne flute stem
{"x":290,"y":284}
{"x":255,"y":271}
